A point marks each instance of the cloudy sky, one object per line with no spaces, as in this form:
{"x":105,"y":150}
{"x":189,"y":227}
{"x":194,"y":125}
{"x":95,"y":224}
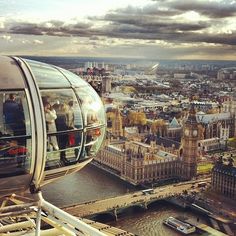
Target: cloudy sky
{"x":158,"y":29}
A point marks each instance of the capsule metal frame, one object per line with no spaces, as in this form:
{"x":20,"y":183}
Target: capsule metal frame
{"x":18,"y":75}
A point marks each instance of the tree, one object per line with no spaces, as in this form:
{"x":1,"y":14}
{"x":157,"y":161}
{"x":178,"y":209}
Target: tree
{"x":128,"y":89}
{"x":213,"y":111}
{"x":137,"y":118}
{"x":158,"y":126}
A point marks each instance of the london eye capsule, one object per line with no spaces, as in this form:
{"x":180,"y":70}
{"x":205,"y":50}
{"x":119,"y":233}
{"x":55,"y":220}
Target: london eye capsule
{"x":51,"y":124}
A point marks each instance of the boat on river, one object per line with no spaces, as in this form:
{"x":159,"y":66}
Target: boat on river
{"x":180,"y":226}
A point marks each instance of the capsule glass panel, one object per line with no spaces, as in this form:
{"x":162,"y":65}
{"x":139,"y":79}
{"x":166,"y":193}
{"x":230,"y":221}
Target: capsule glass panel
{"x":73,"y":78}
{"x":92,"y":107}
{"x":47,"y":76}
{"x":64,"y":126}
{"x":10,"y":74}
{"x":93,"y":140}
{"x":15,"y":134}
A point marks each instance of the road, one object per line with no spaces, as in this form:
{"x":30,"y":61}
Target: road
{"x":128,"y":200}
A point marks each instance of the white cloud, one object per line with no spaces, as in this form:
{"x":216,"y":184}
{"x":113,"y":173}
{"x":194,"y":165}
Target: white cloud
{"x":2,"y":20}
{"x":24,"y":41}
{"x":36,"y":41}
{"x":7,"y":38}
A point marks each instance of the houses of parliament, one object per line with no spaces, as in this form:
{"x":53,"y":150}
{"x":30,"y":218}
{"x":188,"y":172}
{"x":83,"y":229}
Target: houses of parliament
{"x":139,"y":160}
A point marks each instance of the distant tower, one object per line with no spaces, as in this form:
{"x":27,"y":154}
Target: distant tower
{"x":114,"y":122}
{"x":118,"y":123}
{"x":106,"y":84}
{"x":190,"y":146}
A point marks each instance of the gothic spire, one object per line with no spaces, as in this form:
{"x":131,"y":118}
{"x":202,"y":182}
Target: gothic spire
{"x":192,"y":115}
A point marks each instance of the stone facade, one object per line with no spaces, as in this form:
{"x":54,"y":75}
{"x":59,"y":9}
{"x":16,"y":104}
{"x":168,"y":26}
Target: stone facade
{"x":218,"y":125}
{"x":224,"y":179}
{"x":139,"y":163}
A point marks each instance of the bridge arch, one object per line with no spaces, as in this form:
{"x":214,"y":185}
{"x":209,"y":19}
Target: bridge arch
{"x":104,"y":216}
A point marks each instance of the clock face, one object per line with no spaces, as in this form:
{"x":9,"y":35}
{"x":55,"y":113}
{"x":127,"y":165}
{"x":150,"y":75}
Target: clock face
{"x":195,"y":133}
{"x":186,"y":132}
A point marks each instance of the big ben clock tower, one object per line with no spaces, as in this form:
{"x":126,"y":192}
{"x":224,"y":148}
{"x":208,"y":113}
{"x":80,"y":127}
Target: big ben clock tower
{"x":190,"y":146}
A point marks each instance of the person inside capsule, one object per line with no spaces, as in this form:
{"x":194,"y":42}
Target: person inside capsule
{"x":50,"y":117}
{"x":14,"y":125}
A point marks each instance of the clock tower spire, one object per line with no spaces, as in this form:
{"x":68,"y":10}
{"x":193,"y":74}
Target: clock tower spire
{"x":190,"y":146}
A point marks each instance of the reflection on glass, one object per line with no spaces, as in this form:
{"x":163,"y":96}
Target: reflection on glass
{"x":93,"y":140}
{"x":64,"y":123}
{"x":99,"y":134}
{"x":92,"y":106}
{"x":15,"y":132}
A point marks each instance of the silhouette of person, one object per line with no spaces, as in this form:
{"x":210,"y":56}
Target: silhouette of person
{"x":61,"y":125}
{"x":14,"y":116}
{"x":74,"y":122}
{"x":70,"y":115}
{"x":50,"y":117}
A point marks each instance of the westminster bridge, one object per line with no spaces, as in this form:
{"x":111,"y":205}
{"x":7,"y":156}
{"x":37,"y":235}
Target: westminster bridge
{"x":117,"y":204}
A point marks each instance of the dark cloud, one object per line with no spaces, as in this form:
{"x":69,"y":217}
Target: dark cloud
{"x":168,"y":34}
{"x":26,"y":28}
{"x":52,"y":28}
{"x":153,"y":22}
{"x":148,"y":10}
{"x":127,"y":28}
{"x":226,"y":39}
{"x":210,"y":9}
{"x":94,"y":38}
{"x":157,"y":21}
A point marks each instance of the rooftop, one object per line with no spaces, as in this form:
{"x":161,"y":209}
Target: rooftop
{"x":226,"y":169}
{"x":174,"y":123}
{"x":209,"y":118}
{"x":165,"y":155}
{"x":167,"y":142}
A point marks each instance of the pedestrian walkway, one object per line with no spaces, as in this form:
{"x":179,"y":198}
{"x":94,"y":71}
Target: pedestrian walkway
{"x":210,"y":230}
{"x":106,"y":229}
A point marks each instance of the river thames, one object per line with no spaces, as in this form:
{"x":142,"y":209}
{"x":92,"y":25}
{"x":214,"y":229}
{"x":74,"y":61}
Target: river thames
{"x":91,"y":184}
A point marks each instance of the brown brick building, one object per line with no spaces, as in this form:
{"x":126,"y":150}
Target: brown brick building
{"x":224,"y":178}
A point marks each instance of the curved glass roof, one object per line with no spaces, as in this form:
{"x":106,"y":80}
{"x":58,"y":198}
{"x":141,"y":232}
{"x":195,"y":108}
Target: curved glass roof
{"x":11,"y":74}
{"x":75,"y":80}
{"x":49,"y":76}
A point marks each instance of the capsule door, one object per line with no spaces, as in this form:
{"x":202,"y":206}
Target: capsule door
{"x":15,"y":129}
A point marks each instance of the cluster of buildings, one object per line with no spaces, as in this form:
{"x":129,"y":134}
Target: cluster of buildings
{"x":168,"y":123}
{"x":149,"y":158}
{"x":227,"y":74}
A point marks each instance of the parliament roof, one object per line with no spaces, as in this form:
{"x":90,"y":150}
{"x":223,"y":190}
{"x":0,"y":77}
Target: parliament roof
{"x":210,"y":118}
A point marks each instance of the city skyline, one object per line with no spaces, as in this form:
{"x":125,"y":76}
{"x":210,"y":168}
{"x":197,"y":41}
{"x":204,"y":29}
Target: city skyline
{"x":171,"y":29}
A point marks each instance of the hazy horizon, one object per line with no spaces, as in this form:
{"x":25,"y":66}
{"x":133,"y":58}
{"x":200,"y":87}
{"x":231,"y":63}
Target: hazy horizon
{"x":138,"y":58}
